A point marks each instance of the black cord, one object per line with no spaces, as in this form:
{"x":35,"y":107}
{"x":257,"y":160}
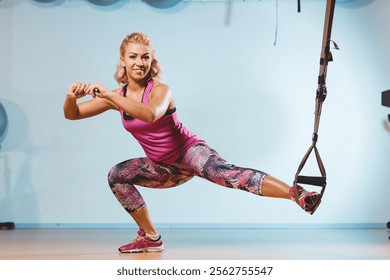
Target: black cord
{"x":276,"y":21}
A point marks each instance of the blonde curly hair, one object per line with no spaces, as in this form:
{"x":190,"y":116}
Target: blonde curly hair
{"x":156,"y":70}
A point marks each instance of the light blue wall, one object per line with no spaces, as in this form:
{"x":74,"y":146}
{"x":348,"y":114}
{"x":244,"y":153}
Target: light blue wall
{"x":251,"y":100}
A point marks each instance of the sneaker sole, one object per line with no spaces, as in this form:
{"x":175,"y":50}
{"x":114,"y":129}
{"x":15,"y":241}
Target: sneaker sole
{"x":314,"y":205}
{"x":145,"y":250}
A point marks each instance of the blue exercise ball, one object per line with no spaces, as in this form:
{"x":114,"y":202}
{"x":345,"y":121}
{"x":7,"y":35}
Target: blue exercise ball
{"x":3,"y":121}
{"x":162,"y":4}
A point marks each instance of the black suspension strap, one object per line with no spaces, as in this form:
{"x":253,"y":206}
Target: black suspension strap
{"x":326,"y":56}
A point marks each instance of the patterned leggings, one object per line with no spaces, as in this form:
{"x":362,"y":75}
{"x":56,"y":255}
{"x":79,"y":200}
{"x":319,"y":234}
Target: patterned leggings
{"x":200,"y":160}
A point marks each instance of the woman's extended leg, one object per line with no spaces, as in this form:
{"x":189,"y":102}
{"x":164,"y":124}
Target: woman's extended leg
{"x":207,"y":163}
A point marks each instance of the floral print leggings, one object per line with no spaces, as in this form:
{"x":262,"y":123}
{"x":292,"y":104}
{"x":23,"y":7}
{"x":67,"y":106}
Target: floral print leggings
{"x":199,"y":160}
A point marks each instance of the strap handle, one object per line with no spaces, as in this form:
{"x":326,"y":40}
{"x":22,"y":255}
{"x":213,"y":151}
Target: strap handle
{"x":319,"y":181}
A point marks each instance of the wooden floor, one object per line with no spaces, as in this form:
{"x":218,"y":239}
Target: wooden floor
{"x":198,"y":244}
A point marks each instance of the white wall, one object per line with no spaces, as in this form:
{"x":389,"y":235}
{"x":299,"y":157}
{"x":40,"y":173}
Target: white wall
{"x":251,"y":100}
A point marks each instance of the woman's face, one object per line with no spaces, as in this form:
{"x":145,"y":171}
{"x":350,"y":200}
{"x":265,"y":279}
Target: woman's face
{"x":137,"y":60}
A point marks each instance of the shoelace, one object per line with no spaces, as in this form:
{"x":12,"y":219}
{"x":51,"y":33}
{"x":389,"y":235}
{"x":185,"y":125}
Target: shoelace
{"x":301,"y":193}
{"x":139,"y":238}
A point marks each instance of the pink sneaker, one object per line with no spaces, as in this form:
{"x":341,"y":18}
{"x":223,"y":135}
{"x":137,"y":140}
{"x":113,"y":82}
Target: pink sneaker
{"x":309,"y":201}
{"x":142,"y":244}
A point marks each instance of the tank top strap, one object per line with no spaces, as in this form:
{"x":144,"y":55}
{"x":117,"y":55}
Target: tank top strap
{"x":123,"y":91}
{"x":149,"y":86}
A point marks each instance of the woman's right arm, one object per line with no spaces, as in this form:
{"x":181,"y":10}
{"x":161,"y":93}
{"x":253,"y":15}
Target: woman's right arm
{"x":90,"y":108}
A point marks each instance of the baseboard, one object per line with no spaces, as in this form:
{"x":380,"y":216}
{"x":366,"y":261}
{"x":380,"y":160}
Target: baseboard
{"x":200,"y":226}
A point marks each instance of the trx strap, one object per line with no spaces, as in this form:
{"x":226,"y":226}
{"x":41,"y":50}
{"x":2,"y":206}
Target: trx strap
{"x":326,"y":56}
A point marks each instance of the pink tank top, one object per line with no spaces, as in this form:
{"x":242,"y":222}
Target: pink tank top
{"x":164,"y":140}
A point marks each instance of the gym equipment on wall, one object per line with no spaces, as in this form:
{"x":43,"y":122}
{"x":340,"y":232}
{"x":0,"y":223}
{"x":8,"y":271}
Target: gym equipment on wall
{"x":3,"y":131}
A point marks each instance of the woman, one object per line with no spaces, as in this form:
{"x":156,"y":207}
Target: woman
{"x":173,"y":154}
